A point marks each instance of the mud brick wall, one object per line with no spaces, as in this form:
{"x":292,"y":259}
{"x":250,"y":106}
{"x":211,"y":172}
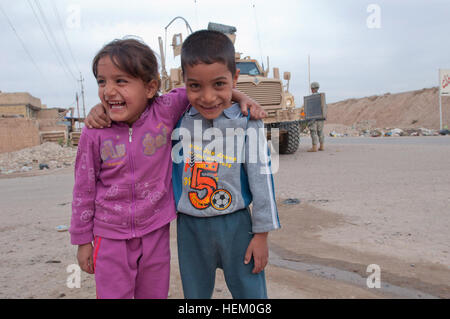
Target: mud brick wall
{"x":19,"y":98}
{"x":14,"y":110}
{"x":18,"y":133}
{"x":47,"y":114}
{"x":46,"y":125}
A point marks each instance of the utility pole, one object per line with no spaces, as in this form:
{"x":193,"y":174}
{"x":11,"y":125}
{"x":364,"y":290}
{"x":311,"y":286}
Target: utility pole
{"x":82,"y":95}
{"x":309,"y":75}
{"x":440,"y":98}
{"x":78,"y":110}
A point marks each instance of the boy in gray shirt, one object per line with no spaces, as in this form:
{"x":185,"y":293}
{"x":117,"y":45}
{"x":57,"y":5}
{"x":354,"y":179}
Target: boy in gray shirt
{"x":221,"y":166}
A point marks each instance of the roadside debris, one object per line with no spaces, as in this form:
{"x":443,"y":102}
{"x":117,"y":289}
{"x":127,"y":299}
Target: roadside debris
{"x":291,"y":201}
{"x":62,"y":228}
{"x":335,"y":134}
{"x":388,"y":132}
{"x":45,"y":156}
{"x":397,"y":132}
{"x":42,"y":166}
{"x":368,"y":129}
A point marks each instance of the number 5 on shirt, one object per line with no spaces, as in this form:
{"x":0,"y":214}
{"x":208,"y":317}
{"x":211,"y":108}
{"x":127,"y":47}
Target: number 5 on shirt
{"x":201,"y":182}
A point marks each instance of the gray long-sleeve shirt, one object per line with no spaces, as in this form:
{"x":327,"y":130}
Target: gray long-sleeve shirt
{"x":223,"y":165}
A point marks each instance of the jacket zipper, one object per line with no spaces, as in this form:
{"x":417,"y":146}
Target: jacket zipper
{"x":133,"y":203}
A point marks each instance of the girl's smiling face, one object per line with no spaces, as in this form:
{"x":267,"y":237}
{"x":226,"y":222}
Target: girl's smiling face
{"x":124,"y":96}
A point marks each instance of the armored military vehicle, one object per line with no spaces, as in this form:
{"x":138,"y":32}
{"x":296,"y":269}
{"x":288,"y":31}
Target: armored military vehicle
{"x":270,"y":92}
{"x":275,"y":98}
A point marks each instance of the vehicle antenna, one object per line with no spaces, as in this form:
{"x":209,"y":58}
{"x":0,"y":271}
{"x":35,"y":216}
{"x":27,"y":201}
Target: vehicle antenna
{"x":257,"y":35}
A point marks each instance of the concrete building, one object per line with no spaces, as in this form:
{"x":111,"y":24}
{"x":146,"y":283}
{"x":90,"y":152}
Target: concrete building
{"x":26,"y":122}
{"x":20,"y":104}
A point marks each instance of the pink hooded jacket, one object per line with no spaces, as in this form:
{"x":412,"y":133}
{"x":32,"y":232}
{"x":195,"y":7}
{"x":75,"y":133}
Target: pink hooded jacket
{"x":123,"y":185}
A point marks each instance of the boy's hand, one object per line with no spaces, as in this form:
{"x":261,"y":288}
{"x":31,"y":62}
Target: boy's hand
{"x":259,"y":250}
{"x":256,"y":110}
{"x":97,"y":117}
{"x":85,"y":259}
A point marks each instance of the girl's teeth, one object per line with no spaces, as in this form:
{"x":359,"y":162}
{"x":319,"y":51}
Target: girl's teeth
{"x":116,"y":105}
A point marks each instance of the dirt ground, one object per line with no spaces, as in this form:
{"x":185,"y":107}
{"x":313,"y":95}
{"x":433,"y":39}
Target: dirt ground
{"x":360,"y":203}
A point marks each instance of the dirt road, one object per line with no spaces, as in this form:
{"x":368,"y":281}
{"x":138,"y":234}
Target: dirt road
{"x":361,"y":204}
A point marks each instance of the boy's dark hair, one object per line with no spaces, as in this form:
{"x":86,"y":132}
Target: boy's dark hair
{"x":131,"y":56}
{"x":208,"y":47}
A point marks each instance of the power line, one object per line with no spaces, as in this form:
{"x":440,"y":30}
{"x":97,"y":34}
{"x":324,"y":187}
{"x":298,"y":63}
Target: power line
{"x":49,"y":29}
{"x":73,"y":103}
{"x":55,"y":9}
{"x":22,"y":43}
{"x":48,"y":40}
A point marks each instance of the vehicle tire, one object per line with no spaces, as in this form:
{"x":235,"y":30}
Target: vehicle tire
{"x":289,"y":137}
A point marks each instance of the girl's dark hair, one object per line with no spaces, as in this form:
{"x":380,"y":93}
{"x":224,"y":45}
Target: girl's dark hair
{"x":208,"y":47}
{"x":131,"y":56}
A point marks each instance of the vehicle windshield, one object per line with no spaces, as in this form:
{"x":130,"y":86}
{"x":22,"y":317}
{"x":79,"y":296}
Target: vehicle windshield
{"x":248,"y":68}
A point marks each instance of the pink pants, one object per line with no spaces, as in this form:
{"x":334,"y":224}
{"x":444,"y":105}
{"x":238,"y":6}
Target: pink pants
{"x":135,"y":268}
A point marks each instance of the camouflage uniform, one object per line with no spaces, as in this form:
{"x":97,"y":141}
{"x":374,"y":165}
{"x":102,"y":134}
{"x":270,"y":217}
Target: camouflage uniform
{"x":316,"y":129}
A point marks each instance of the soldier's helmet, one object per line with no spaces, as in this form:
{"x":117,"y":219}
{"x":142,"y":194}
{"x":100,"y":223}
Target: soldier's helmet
{"x":315,"y":85}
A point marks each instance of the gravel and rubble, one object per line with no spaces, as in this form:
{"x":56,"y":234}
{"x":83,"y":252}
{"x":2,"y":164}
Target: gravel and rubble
{"x":45,"y":156}
{"x":365,"y":130}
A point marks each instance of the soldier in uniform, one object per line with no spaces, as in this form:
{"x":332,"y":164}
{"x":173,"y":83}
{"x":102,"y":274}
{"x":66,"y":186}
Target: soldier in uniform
{"x":316,"y":126}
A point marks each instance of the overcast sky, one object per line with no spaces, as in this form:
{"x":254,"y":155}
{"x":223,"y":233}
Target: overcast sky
{"x":357,"y":48}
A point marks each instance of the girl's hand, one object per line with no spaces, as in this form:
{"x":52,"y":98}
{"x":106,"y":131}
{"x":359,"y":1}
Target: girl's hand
{"x":85,"y":259}
{"x":259,"y":250}
{"x":97,"y":117}
{"x":256,"y":111}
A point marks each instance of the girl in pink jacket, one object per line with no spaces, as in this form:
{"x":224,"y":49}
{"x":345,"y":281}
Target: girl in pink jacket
{"x":122,"y":197}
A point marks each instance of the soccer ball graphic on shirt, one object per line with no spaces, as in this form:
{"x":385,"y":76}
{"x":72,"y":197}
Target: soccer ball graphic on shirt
{"x":221,"y":199}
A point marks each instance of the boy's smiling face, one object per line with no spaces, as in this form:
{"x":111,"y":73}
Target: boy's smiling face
{"x":209,"y":87}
